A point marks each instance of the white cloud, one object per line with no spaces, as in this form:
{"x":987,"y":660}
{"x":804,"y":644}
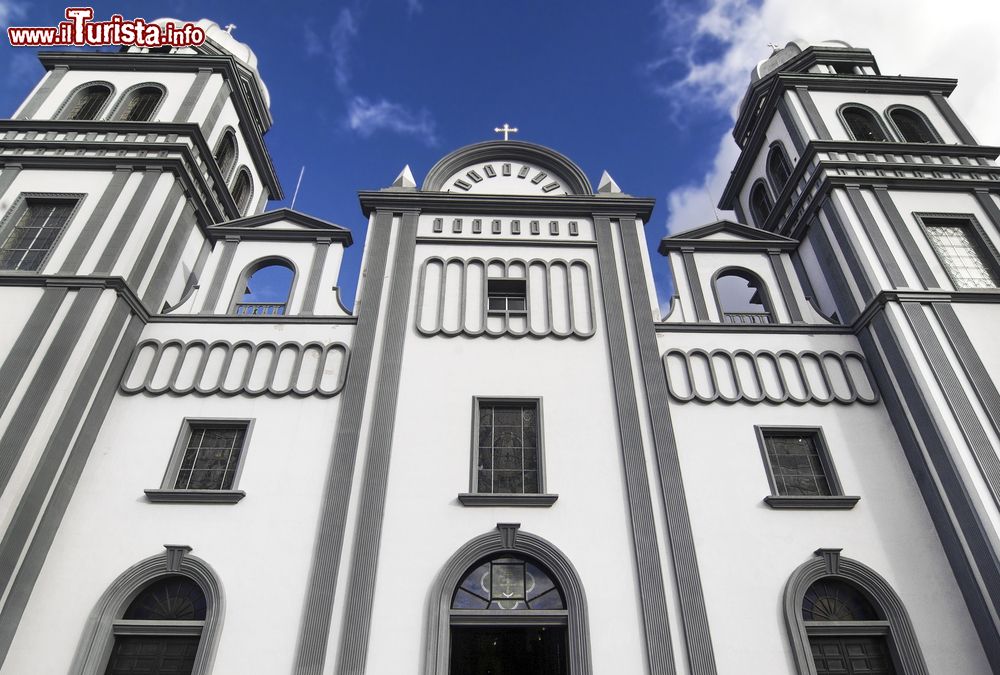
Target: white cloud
{"x":341,"y":35}
{"x":367,"y":117}
{"x":10,"y":11}
{"x":414,"y":7}
{"x":953,"y":39}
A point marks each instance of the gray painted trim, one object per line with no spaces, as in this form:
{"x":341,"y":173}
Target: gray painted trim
{"x":985,"y":201}
{"x":142,"y":263}
{"x":208,"y":126}
{"x":64,"y":107}
{"x":117,"y":110}
{"x":694,"y":285}
{"x":496,"y":241}
{"x":944,"y":107}
{"x":255,"y":266}
{"x":906,"y":653}
{"x":170,"y":257}
{"x":320,"y":252}
{"x":8,"y":172}
{"x":477,"y":401}
{"x":878,"y":241}
{"x":649,"y":569}
{"x":98,"y":218}
{"x":822,"y":448}
{"x":784,"y":284}
{"x":43,"y":92}
{"x":848,"y":307}
{"x":197,"y":353}
{"x":847,"y":248}
{"x":180,"y":446}
{"x":752,"y":279}
{"x":192,"y":96}
{"x":919,"y":114}
{"x":368,"y":534}
{"x":128,"y":222}
{"x":314,"y":633}
{"x":793,"y":126}
{"x":812,"y":112}
{"x":693,"y":613}
{"x":161,"y":496}
{"x":27,"y":342}
{"x":844,"y":502}
{"x":991,"y":256}
{"x":262,"y":201}
{"x":905,"y":237}
{"x":27,"y":574}
{"x":219,"y":277}
{"x":20,"y":207}
{"x":484,"y":499}
{"x":46,"y":378}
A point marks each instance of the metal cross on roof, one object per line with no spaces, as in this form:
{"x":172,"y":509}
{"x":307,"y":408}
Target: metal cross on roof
{"x":230,"y":28}
{"x":506,"y":130}
{"x":773,"y":47}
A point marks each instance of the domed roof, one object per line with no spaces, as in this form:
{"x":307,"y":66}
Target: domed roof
{"x":788,"y":52}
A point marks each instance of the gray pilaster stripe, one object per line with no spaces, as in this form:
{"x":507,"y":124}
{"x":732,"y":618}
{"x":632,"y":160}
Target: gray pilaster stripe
{"x":847,"y":306}
{"x":192,"y":96}
{"x":693,"y":614}
{"x":878,"y":241}
{"x":795,"y":129}
{"x":208,"y":126}
{"x":97,"y":219}
{"x":221,"y":272}
{"x":51,"y":459}
{"x":812,"y":112}
{"x":652,"y":596}
{"x":694,"y":283}
{"x":368,"y":533}
{"x":27,"y":342}
{"x":261,"y":201}
{"x":43,"y":92}
{"x":38,"y":549}
{"x":7,"y":176}
{"x":791,"y":304}
{"x":741,"y":215}
{"x":320,"y":251}
{"x":906,"y":239}
{"x":126,"y":224}
{"x":839,"y":226}
{"x":310,"y":653}
{"x":141,"y":265}
{"x":944,"y":107}
{"x":956,"y":520}
{"x":803,"y":276}
{"x":46,"y":378}
{"x":169,"y":258}
{"x":968,"y":356}
{"x":990,"y":206}
{"x":965,"y":414}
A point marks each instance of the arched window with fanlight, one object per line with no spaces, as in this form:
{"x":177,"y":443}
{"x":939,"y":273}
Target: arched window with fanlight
{"x":242,"y":191}
{"x":863,"y":124}
{"x":742,"y":297}
{"x":139,"y":104}
{"x":912,"y":126}
{"x":265,"y":288}
{"x":760,"y":203}
{"x":778,"y":168}
{"x":87,"y":102}
{"x":226,"y":153}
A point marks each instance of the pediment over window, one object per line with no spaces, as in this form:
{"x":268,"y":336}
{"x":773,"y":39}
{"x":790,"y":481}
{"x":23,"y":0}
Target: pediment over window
{"x":725,"y":234}
{"x":282,"y":224}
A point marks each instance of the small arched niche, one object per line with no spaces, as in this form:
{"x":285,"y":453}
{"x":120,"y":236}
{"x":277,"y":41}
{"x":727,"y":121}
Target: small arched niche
{"x":912,"y":125}
{"x":742,"y":297}
{"x":86,"y":102}
{"x":863,"y":123}
{"x":264,"y":288}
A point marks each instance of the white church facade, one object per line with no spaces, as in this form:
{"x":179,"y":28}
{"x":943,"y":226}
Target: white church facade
{"x":502,"y":460}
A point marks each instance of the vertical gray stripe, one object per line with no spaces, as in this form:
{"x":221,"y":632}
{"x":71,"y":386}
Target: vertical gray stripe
{"x":695,"y":618}
{"x":169,"y":258}
{"x":795,"y":130}
{"x":906,"y":239}
{"x":51,"y":459}
{"x":310,"y":653}
{"x":803,"y":276}
{"x":55,"y":75}
{"x":368,"y":533}
{"x":741,"y":215}
{"x":46,"y":378}
{"x":944,"y":107}
{"x":694,"y":283}
{"x":221,"y":272}
{"x":7,"y":176}
{"x":320,"y":251}
{"x":812,"y":112}
{"x":27,"y":342}
{"x":968,"y":421}
{"x":990,"y":206}
{"x":126,"y":224}
{"x":847,"y":306}
{"x":97,"y":219}
{"x":879,"y":243}
{"x":141,"y":265}
{"x":30,"y":568}
{"x":261,"y":201}
{"x":650,"y":570}
{"x":791,"y":304}
{"x":208,"y":126}
{"x":192,"y":96}
{"x":839,"y":225}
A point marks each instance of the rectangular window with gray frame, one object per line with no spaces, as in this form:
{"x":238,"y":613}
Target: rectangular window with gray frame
{"x":507,"y":458}
{"x":206,"y":463}
{"x":800,"y":470}
{"x":31,"y":230}
{"x":507,"y":296}
{"x":963,"y":248}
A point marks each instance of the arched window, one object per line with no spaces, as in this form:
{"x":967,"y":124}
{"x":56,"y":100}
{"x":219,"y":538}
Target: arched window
{"x":742,"y":297}
{"x":912,"y":126}
{"x":87,"y":103}
{"x":760,"y":203}
{"x":508,"y":602}
{"x":863,"y":124}
{"x":265,"y":288}
{"x":242,"y":191}
{"x":844,"y":618}
{"x":778,"y":168}
{"x":225,"y":153}
{"x":140,"y":104}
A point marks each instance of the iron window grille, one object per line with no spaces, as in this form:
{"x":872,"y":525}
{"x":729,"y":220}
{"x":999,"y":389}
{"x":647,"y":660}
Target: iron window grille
{"x":961,"y":247}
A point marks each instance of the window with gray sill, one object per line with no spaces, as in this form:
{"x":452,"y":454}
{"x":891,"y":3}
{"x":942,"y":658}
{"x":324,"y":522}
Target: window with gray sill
{"x":958,"y":246}
{"x":35,"y":231}
{"x":211,"y":457}
{"x":507,"y":457}
{"x":507,"y":296}
{"x":800,"y":470}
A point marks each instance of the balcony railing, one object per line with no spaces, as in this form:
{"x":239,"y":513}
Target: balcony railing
{"x":746,"y":317}
{"x":259,"y":309}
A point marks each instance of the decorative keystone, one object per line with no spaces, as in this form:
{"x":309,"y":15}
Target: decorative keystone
{"x":175,"y":554}
{"x":508,"y":534}
{"x":831,"y":556}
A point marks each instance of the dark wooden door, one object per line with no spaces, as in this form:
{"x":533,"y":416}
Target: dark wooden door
{"x":518,"y":650}
{"x":153,"y":655}
{"x":851,"y":656}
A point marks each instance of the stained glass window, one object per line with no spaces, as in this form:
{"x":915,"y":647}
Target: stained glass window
{"x":834,"y":600}
{"x":508,"y":583}
{"x":173,"y":598}
{"x":211,"y":457}
{"x":140,"y":105}
{"x":863,"y":125}
{"x":508,"y":448}
{"x":796,"y":465}
{"x":29,"y":241}
{"x":961,"y":254}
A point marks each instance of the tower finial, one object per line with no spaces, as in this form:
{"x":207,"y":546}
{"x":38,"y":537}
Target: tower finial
{"x":230,"y":28}
{"x":506,"y":130}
